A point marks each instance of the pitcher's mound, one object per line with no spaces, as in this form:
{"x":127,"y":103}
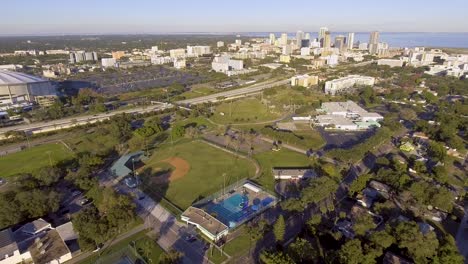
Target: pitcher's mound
{"x":181,"y":166}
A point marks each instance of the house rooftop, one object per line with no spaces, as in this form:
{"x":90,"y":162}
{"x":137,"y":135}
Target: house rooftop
{"x":49,"y":248}
{"x":7,"y":243}
{"x":35,"y":226}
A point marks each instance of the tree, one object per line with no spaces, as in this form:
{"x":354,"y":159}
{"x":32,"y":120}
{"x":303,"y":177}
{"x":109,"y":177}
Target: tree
{"x":448,"y":252}
{"x":421,"y":247}
{"x":382,"y":239}
{"x":178,"y":131}
{"x":408,"y":114}
{"x":47,"y":175}
{"x":363,"y":223}
{"x":10,"y":210}
{"x":437,"y":151}
{"x":319,"y":189}
{"x":256,"y":231}
{"x":351,"y":252}
{"x":37,"y":203}
{"x":171,"y":257}
{"x":279,"y":228}
{"x":359,"y":184}
{"x":313,"y":222}
{"x":440,"y":173}
{"x":293,"y":205}
{"x":301,"y":251}
{"x":267,"y":257}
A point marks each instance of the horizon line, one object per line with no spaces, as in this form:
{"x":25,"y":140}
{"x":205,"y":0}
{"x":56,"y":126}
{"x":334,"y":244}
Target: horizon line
{"x":213,"y":33}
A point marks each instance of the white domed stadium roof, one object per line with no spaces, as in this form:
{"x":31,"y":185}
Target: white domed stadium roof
{"x":9,"y":77}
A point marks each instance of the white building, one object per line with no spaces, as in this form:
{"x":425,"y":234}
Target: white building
{"x":334,"y":86}
{"x":108,"y":62}
{"x":198,"y":50}
{"x":363,"y":46}
{"x":346,"y":116}
{"x":305,"y":51}
{"x":180,"y":63}
{"x":158,"y":60}
{"x":350,"y":41}
{"x":287,"y":50}
{"x":391,"y":62}
{"x":177,"y":53}
{"x":220,"y":44}
{"x":224,"y":64}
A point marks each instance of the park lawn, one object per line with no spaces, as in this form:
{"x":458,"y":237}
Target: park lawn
{"x":248,"y":110}
{"x":215,"y":256}
{"x":312,"y":139}
{"x":239,"y":246}
{"x":205,"y":175}
{"x":197,"y":92}
{"x":92,"y":142}
{"x":144,"y":245}
{"x":281,"y":158}
{"x":32,"y":159}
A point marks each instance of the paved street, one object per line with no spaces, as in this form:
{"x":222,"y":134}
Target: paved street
{"x":171,"y":233}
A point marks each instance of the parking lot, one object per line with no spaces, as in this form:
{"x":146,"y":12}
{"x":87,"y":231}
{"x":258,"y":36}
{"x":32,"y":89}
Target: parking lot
{"x":343,"y":139}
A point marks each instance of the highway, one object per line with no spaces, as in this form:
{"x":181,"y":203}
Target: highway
{"x":68,"y":122}
{"x":232,"y":93}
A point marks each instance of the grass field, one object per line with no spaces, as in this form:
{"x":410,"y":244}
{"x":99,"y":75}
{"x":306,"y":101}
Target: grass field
{"x":34,"y":158}
{"x":249,"y":110}
{"x":282,"y":158}
{"x":138,"y":244}
{"x":91,"y":141}
{"x":204,"y":177}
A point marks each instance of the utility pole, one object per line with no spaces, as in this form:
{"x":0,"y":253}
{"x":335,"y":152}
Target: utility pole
{"x":50,"y":159}
{"x":224,"y":184}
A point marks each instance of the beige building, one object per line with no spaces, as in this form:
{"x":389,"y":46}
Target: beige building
{"x":118,"y":54}
{"x":285,"y":58}
{"x":304,"y":80}
{"x":177,"y":53}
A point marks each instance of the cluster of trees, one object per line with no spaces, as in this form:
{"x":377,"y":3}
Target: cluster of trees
{"x":407,"y":236}
{"x":86,"y":99}
{"x":108,"y":216}
{"x":358,"y":151}
{"x":35,"y":196}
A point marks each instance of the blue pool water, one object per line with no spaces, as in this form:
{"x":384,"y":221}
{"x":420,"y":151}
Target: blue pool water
{"x":232,"y":210}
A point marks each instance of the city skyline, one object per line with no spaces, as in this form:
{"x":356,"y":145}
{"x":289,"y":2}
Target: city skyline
{"x":51,"y":17}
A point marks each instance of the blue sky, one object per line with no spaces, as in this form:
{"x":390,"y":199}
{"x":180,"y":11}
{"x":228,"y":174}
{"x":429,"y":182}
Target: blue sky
{"x":145,"y":16}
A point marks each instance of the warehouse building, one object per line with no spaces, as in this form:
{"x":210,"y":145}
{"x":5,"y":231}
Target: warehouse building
{"x":17,"y":87}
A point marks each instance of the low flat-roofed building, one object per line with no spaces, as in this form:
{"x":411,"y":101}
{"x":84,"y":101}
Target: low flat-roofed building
{"x":207,"y":224}
{"x":336,"y":121}
{"x":291,"y":173}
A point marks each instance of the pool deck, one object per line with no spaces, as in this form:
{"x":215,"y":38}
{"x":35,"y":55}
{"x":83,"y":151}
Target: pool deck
{"x":216,"y":217}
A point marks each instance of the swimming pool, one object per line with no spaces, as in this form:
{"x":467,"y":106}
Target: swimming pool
{"x":231,"y":210}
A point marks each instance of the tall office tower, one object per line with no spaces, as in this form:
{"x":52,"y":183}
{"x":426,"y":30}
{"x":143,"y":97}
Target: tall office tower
{"x":284,"y":39}
{"x":322,"y":33}
{"x":373,"y":42}
{"x":272,"y":38}
{"x":350,"y":40}
{"x":299,"y":37}
{"x":307,"y":36}
{"x":340,"y":42}
{"x":326,"y":43}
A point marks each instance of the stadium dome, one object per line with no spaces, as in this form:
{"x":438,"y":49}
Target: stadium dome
{"x":16,"y":87}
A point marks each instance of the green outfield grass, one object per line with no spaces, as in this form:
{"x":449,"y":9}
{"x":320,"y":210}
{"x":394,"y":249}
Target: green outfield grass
{"x":249,"y":110}
{"x":34,"y":158}
{"x":207,"y":165}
